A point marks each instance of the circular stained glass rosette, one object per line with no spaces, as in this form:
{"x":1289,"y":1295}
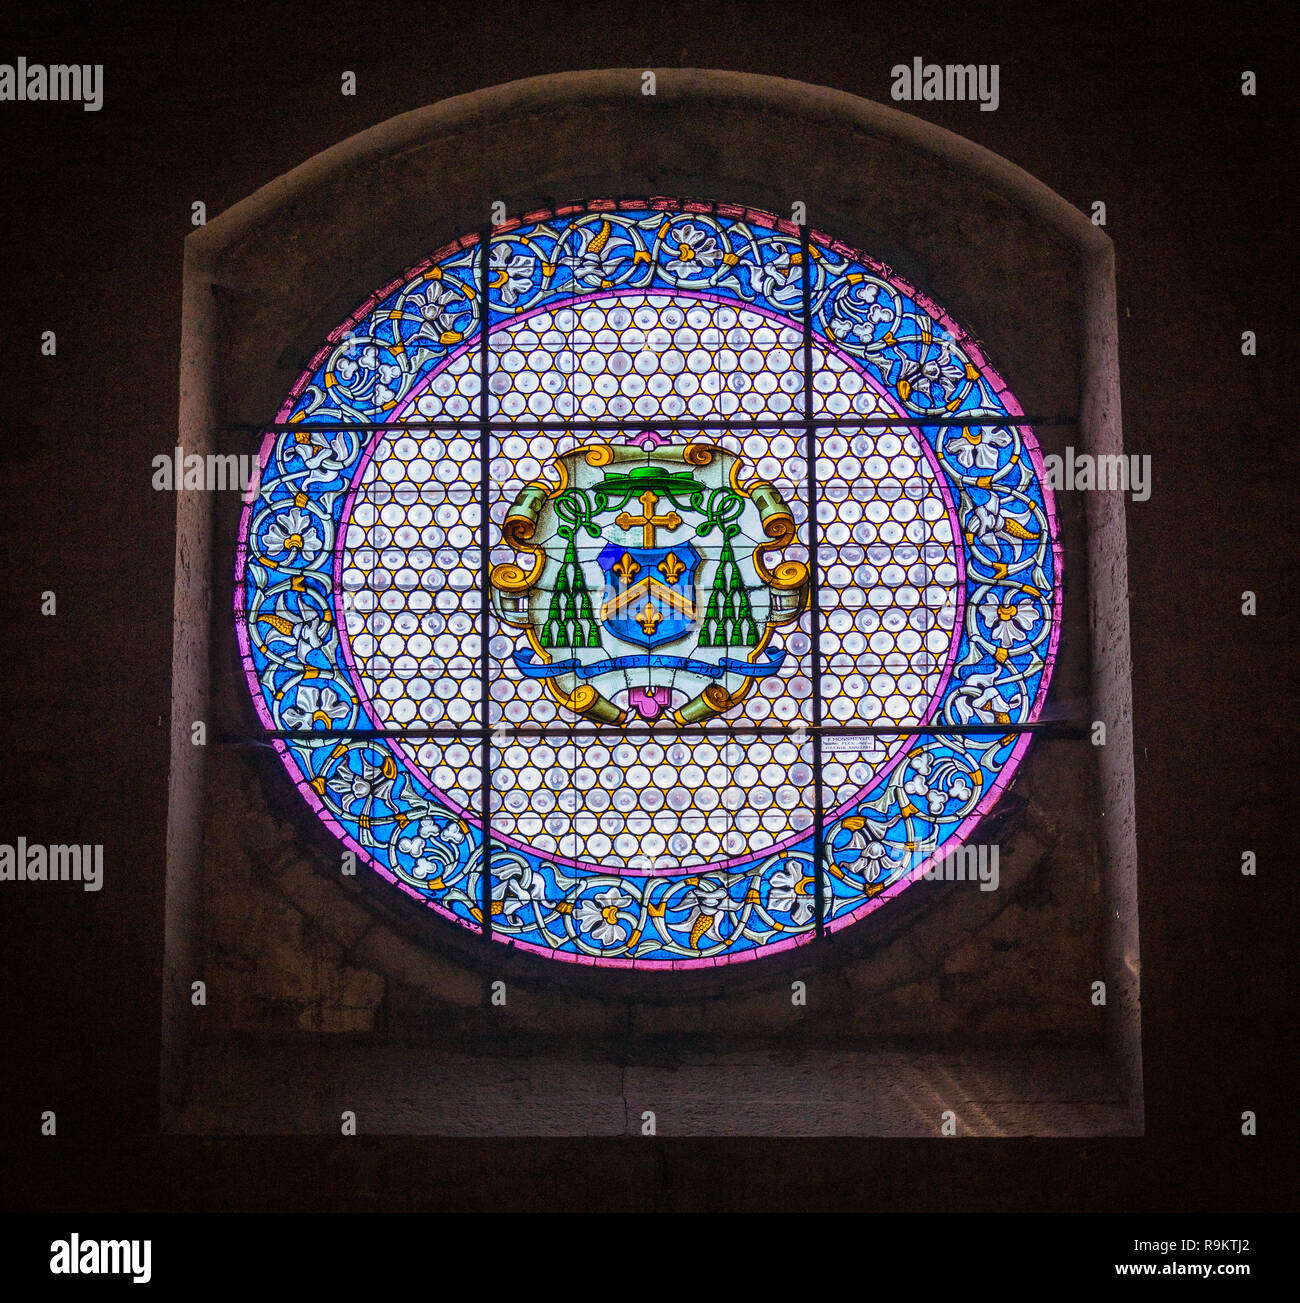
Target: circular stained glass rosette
{"x":657,"y":775}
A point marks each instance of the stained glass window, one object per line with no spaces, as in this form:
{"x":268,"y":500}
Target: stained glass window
{"x":701,"y":551}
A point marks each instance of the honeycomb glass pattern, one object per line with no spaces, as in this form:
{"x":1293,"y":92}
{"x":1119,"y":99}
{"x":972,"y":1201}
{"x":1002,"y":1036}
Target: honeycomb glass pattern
{"x":889,"y":579}
{"x":545,"y":500}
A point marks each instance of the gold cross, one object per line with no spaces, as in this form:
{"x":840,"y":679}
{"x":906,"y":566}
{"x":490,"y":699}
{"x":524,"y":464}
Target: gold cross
{"x":649,"y":521}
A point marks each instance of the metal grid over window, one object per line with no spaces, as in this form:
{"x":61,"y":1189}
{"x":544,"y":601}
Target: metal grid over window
{"x":765,"y":554}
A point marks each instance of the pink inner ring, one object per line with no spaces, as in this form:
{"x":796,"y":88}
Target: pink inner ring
{"x":424,"y":780}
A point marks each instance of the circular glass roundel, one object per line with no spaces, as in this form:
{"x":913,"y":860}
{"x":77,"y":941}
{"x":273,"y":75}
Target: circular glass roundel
{"x":692,"y":727}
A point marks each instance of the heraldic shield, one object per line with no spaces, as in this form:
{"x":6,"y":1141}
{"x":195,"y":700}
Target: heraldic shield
{"x":648,"y":580}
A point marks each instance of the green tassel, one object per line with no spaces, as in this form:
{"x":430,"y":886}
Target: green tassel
{"x":728,"y":619}
{"x":570,"y":622}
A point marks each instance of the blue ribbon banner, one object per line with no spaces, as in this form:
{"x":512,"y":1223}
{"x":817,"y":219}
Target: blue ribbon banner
{"x":538,"y":670}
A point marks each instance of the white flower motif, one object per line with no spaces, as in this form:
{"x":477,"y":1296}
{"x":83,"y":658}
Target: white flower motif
{"x":879,"y":861}
{"x":862,"y":295}
{"x":453,"y":833}
{"x":438,"y":307}
{"x":517,"y":886}
{"x":842,"y":326}
{"x":292,"y":532}
{"x":347,"y":367}
{"x":1008,"y":621}
{"x":429,"y":832}
{"x":415,"y":846}
{"x":513,"y":273}
{"x":959,"y":789}
{"x":696,"y":250}
{"x":919,"y":784}
{"x":921,"y":377}
{"x":315,"y":704}
{"x":979,"y":700}
{"x":977,"y":446}
{"x":779,"y":274}
{"x":992,"y":518}
{"x":592,"y":266}
{"x":369,"y":785}
{"x":324,"y":459}
{"x":867,"y":838}
{"x":710,"y":903}
{"x":785,"y":896}
{"x":601,"y":916}
{"x":928,"y":782}
{"x":307,"y":633}
{"x":868,"y":292}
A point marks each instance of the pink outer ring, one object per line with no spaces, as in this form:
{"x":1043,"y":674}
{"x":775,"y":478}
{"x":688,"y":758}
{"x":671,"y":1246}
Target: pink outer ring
{"x":1005,"y":774}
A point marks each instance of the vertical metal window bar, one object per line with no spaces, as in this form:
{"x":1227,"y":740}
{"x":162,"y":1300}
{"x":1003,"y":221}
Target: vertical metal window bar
{"x":814,"y":595}
{"x":484,"y":454}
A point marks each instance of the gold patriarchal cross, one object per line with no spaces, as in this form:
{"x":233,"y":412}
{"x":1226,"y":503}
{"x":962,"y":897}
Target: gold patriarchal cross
{"x":649,"y":521}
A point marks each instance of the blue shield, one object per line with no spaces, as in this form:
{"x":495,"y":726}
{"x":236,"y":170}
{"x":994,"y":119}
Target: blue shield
{"x":649,"y":592}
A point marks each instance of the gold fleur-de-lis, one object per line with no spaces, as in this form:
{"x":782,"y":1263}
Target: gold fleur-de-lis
{"x":671,"y":568}
{"x":626,"y":568}
{"x":648,"y":617}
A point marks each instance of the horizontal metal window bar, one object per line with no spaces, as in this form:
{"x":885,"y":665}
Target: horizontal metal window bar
{"x":842,"y":663}
{"x":1061,"y":728}
{"x":381,"y":493}
{"x":505,"y":425}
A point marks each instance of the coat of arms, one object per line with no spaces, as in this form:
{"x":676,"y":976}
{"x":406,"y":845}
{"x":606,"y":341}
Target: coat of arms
{"x":653,"y":580}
